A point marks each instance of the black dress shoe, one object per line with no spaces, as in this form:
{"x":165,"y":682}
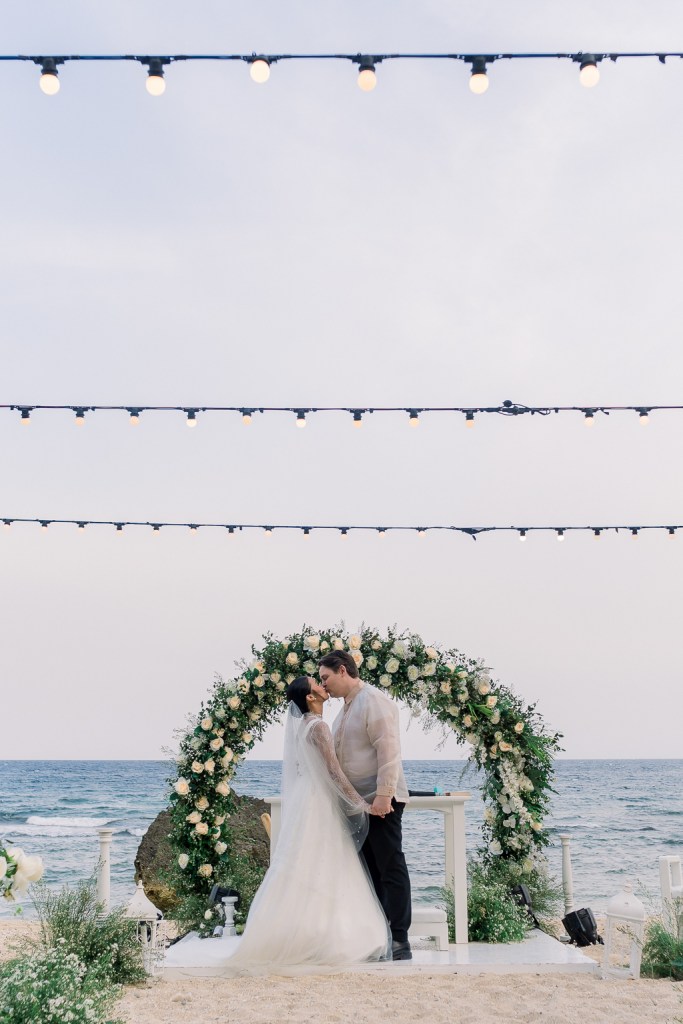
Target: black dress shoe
{"x":401,"y":951}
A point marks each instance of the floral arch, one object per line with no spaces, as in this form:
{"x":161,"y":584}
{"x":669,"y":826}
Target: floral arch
{"x":510,"y":743}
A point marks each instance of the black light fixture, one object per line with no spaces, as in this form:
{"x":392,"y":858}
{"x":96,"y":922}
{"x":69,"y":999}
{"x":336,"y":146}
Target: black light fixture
{"x":367,"y":79}
{"x":479,"y":80}
{"x":156,"y":83}
{"x":469,"y":419}
{"x":582,"y":927}
{"x":49,"y":80}
{"x":357,"y":418}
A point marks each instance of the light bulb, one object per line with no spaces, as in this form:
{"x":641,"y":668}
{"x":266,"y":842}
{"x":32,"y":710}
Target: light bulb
{"x":259,"y":70}
{"x":193,"y":529}
{"x":634,"y":532}
{"x":80,"y":418}
{"x":49,"y":83}
{"x":644,"y":417}
{"x":597,"y":534}
{"x":344,"y":533}
{"x":246,"y":417}
{"x":307,"y":531}
{"x":301,"y":420}
{"x":589,"y":74}
{"x":672,"y":531}
{"x":156,"y":529}
{"x":119,"y":527}
{"x":421,"y":533}
{"x":44,"y":526}
{"x":81,"y":527}
{"x":560,"y":535}
{"x":522,"y":535}
{"x":358,"y":419}
{"x":156,"y":84}
{"x":589,"y":419}
{"x":7,"y":523}
{"x":269,"y":530}
{"x":367,"y":79}
{"x":479,"y":82}
{"x":191,"y":418}
{"x":381,"y":531}
{"x":469,"y":419}
{"x":134,"y":418}
{"x":414,"y":419}
{"x":25,"y":417}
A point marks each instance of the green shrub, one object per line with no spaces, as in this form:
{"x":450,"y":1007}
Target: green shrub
{"x":74,"y":919}
{"x":663,"y":952}
{"x":54,"y":985}
{"x":493,"y":913}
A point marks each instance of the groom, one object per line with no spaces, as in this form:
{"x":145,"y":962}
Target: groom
{"x":368,"y":745}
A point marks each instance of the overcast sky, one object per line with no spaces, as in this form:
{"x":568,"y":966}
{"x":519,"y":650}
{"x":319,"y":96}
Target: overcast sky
{"x":303,"y":243}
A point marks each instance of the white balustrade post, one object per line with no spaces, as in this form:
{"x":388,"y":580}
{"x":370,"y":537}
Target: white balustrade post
{"x":104,"y":867}
{"x":567,"y":881}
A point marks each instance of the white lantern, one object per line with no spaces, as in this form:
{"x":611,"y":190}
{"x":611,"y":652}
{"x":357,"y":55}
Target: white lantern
{"x":150,"y":928}
{"x":625,"y":921}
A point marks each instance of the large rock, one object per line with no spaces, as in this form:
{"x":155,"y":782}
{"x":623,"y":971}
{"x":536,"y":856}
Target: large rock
{"x":154,"y":859}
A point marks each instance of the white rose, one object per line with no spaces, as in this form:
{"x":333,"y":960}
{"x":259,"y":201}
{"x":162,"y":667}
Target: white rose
{"x":355,"y":642}
{"x":431,"y":653}
{"x":220,"y":848}
{"x":495,"y":717}
{"x":201,"y":828}
{"x":489,"y":815}
{"x":223,"y":788}
{"x":338,"y":643}
{"x":498,"y":736}
{"x":357,"y":657}
{"x":510,"y":822}
{"x":206,"y":724}
{"x":310,"y":668}
{"x":429,"y":669}
{"x":453,"y":711}
{"x":208,"y":914}
{"x":495,"y":848}
{"x":201,"y":804}
{"x":234,"y":703}
{"x":246,"y":737}
{"x":413,"y":673}
{"x":491,"y":701}
{"x":462,"y":674}
{"x":205,"y":870}
{"x":183,"y":861}
{"x":324,"y":646}
{"x":450,"y":666}
{"x":445,"y":687}
{"x":254,"y":715}
{"x":30,"y":867}
{"x":393,"y":665}
{"x":483,"y":687}
{"x":536,"y":826}
{"x":182,"y":788}
{"x":216,"y":744}
{"x":519,"y":727}
{"x":399,"y":648}
{"x":371,"y":663}
{"x":463,"y":696}
{"x":194,"y":817}
{"x":527,"y":865}
{"x":312,"y":642}
{"x":376,"y":644}
{"x":291,"y":678}
{"x":292,"y":658}
{"x":3,"y":867}
{"x":209,"y":766}
{"x":227,"y":757}
{"x":385,"y":680}
{"x":197,"y":767}
{"x":275,"y":677}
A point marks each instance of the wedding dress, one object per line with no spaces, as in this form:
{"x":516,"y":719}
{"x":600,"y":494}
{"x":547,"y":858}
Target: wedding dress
{"x":316,"y":907}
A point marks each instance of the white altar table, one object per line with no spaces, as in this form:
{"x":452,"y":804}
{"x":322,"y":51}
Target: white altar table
{"x":452,"y":806}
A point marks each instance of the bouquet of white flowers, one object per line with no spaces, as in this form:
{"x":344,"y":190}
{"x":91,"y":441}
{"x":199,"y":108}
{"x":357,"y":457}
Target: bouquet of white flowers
{"x":17,"y":871}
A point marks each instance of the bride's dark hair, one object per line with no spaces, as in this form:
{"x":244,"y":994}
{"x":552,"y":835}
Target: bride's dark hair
{"x":298,"y":691}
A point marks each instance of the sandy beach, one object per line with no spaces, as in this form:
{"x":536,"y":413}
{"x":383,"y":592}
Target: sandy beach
{"x":438,"y":999}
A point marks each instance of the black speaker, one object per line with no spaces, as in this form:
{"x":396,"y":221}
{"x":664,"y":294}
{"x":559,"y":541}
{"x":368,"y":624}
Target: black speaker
{"x":582,"y":927}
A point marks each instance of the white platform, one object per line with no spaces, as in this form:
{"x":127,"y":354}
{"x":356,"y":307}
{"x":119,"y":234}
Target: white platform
{"x":539,"y":953}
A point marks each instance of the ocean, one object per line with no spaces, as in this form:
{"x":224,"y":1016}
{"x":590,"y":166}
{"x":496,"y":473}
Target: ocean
{"x":621,"y":816}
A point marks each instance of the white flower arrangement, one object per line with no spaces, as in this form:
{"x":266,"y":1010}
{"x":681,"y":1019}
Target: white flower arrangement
{"x":17,"y":871}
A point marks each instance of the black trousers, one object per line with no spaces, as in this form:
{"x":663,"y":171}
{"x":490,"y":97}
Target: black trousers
{"x":388,"y":871}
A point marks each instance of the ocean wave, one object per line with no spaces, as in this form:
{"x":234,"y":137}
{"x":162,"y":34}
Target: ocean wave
{"x":36,"y":819}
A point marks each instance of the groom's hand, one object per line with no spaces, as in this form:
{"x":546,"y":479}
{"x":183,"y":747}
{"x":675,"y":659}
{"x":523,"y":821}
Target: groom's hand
{"x":381,"y":806}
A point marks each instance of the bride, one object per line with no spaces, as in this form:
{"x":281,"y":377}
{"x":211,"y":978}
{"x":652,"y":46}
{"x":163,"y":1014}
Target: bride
{"x":316,"y":906}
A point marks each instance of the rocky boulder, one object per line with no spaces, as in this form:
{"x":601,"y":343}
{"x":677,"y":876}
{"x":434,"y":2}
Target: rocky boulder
{"x":154,"y":859}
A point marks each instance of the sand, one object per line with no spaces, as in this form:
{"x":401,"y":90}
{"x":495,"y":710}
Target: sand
{"x":368,"y":999}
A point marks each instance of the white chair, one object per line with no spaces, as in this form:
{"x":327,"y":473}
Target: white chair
{"x":430,"y":921}
{"x":671,"y":885}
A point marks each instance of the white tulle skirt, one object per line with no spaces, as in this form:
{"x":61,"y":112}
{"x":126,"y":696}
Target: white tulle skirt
{"x":316,"y":907}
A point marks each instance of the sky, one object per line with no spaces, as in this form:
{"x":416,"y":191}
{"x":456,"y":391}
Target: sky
{"x":304,"y":243}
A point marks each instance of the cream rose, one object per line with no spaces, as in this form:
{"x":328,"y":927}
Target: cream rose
{"x":234,"y":703}
{"x":338,"y":643}
{"x":324,"y":646}
{"x":223,"y":788}
{"x":216,"y":744}
{"x":483,"y":688}
{"x":429,"y":669}
{"x":227,"y":757}
{"x":291,"y":678}
{"x":445,"y":687}
{"x":463,"y":696}
{"x":197,"y":767}
{"x":431,"y":653}
{"x":376,"y":645}
{"x":355,"y":642}
{"x":413,"y":673}
{"x":201,"y":828}
{"x":357,"y":657}
{"x":312,"y":642}
{"x":246,"y":737}
{"x":393,"y":665}
{"x":3,"y":867}
{"x":385,"y":680}
{"x":399,"y":649}
{"x":453,"y":710}
{"x":467,"y":721}
{"x":254,"y":715}
{"x":462,"y":673}
{"x":491,"y":701}
{"x":495,"y":848}
{"x":201,"y":804}
{"x":275,"y":677}
{"x":495,"y":717}
{"x":29,"y":867}
{"x":207,"y":723}
{"x":280,"y":686}
{"x":244,"y":686}
{"x":194,"y":817}
{"x":310,"y":668}
{"x":292,"y":658}
{"x":220,"y":848}
{"x":505,"y":747}
{"x":182,"y":788}
{"x":519,"y":727}
{"x":183,"y":861}
{"x":233,"y":723}
{"x":205,"y":870}
{"x":209,"y":766}
{"x":259,"y":682}
{"x":371,"y":663}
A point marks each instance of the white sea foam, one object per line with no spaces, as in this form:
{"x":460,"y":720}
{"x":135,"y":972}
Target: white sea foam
{"x":89,"y":823}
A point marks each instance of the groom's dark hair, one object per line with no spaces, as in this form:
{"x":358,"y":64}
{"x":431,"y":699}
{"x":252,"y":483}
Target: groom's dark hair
{"x":337,"y":659}
{"x":298,"y":691}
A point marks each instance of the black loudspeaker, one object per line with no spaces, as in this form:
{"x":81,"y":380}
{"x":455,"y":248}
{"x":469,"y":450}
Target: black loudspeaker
{"x":581,"y":927}
{"x":521,"y":895}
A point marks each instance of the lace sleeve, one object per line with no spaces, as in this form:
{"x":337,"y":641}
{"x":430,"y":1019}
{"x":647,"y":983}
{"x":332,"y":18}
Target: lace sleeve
{"x":321,"y":738}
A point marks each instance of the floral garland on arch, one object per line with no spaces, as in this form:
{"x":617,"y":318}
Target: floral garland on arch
{"x":509,"y":741}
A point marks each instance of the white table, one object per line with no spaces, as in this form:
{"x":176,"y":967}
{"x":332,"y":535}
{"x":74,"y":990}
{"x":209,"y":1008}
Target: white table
{"x":452,"y":806}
